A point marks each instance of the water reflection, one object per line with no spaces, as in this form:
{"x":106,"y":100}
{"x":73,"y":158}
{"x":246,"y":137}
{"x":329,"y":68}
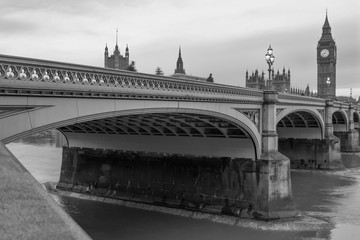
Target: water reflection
{"x":332,"y":196}
{"x":39,"y":155}
{"x":48,"y":138}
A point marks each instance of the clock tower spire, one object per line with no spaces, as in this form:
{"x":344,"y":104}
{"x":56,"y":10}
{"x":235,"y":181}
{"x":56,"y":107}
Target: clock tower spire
{"x":326,"y":63}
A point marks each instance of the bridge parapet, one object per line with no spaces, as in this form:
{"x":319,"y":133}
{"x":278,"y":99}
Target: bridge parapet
{"x":20,"y":75}
{"x":300,"y":100}
{"x":343,"y":105}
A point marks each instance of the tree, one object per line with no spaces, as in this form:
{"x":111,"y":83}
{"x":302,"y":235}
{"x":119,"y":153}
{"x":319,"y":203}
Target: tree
{"x":158,"y":71}
{"x":131,"y":67}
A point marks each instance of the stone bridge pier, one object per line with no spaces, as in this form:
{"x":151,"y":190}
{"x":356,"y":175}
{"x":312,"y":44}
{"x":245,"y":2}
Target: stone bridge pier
{"x":274,"y":191}
{"x":349,"y":139}
{"x":332,"y":153}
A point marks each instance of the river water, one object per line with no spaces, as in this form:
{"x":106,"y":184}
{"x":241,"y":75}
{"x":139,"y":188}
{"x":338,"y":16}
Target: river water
{"x":332,"y":196}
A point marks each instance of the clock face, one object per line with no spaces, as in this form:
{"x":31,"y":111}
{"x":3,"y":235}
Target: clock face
{"x":324,"y":53}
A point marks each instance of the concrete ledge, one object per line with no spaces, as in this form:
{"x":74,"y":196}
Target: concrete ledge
{"x":27,"y":211}
{"x":302,"y":222}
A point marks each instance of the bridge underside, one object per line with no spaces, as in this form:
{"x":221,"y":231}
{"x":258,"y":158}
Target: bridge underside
{"x":339,"y":122}
{"x":299,"y":125}
{"x":301,"y":139}
{"x":181,"y":133}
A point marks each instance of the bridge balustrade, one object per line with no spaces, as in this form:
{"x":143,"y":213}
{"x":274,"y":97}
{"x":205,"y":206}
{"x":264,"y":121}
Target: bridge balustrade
{"x":20,"y":75}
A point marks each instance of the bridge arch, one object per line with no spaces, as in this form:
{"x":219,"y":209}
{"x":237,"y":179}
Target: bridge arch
{"x":233,"y":131}
{"x":300,"y":123}
{"x":340,"y":121}
{"x":59,"y":116}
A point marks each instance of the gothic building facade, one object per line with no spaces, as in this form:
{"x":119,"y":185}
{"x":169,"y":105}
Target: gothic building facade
{"x":279,"y":81}
{"x":255,"y":80}
{"x":326,"y":63}
{"x":116,"y":60}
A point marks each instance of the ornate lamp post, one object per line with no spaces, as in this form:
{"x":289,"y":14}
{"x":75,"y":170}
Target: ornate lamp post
{"x":327,"y":87}
{"x":270,"y":58}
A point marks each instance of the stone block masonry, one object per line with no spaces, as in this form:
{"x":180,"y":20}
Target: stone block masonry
{"x":312,"y":153}
{"x":262,"y":187}
{"x":167,"y":179}
{"x":349,"y":141}
{"x":350,"y":148}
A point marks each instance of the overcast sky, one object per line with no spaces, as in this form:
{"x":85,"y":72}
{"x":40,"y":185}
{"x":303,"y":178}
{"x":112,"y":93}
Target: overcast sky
{"x":224,"y":37}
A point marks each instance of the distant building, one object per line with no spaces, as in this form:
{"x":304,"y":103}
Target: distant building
{"x":279,"y":82}
{"x":180,"y":72}
{"x":255,"y":80}
{"x":116,"y":60}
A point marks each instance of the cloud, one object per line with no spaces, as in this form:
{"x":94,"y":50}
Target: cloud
{"x":224,"y":38}
{"x":11,"y":27}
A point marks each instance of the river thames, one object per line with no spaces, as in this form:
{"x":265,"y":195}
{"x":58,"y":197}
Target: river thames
{"x":331,"y":196}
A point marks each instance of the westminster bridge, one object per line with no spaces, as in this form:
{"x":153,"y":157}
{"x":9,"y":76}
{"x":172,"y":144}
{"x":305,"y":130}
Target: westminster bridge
{"x":191,"y":138}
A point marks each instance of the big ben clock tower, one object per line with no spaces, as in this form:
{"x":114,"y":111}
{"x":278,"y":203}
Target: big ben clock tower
{"x":326,"y":63}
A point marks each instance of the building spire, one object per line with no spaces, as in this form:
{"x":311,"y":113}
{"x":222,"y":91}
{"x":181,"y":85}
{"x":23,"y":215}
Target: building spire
{"x":326,"y":30}
{"x":116,"y":36}
{"x":117,"y":51}
{"x":127,"y":51}
{"x":179,"y":64}
{"x":326,"y":23}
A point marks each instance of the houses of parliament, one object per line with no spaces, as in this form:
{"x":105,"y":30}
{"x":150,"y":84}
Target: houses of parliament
{"x":116,"y":60}
{"x":279,"y":81}
{"x":326,"y":70}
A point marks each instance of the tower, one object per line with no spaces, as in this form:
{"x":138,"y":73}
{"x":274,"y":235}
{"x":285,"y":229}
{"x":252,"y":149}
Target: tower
{"x":127,"y":53}
{"x":117,"y":53}
{"x":179,"y":64}
{"x":116,"y":60}
{"x":326,"y":63}
{"x":106,"y":56}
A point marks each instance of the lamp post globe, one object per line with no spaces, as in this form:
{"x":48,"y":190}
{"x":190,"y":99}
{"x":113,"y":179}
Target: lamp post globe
{"x":270,"y":58}
{"x":267,"y":57}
